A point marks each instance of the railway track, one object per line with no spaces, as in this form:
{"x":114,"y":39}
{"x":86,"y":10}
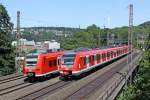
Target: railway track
{"x":2,"y":78}
{"x":11,"y":79}
{"x":20,"y":91}
{"x":14,"y":88}
{"x":45,"y":91}
{"x":11,"y":86}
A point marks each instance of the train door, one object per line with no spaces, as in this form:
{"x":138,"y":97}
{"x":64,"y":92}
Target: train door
{"x":112,"y":54}
{"x":115,"y":53}
{"x":82,"y":62}
{"x":103,"y":57}
{"x":91,"y":60}
{"x":87,"y":61}
{"x":58,"y":62}
{"x":52,"y":64}
{"x":95,"y":59}
{"x":108,"y":55}
{"x":98,"y":58}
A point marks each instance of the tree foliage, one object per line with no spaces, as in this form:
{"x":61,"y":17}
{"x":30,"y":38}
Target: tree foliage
{"x":85,"y":38}
{"x":6,"y":51}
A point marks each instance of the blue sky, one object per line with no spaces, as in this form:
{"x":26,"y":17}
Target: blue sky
{"x":72,"y":13}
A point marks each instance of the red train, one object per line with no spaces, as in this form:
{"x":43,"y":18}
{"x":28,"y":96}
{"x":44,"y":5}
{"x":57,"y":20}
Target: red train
{"x":41,"y":65}
{"x":74,"y":63}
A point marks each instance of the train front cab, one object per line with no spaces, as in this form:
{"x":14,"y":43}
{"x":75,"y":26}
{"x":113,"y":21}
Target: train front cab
{"x":67,"y":65}
{"x":41,"y":66}
{"x":79,"y":63}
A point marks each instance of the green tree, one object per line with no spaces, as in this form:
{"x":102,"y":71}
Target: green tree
{"x":6,"y":50}
{"x":95,"y":33}
{"x":86,"y":38}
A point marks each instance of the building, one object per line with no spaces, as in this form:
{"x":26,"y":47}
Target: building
{"x":24,"y":45}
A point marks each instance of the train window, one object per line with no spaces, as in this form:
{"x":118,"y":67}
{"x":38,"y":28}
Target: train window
{"x":93,"y":58}
{"x":114,"y":53}
{"x":103,"y":56}
{"x":84,"y":60}
{"x":81,"y":60}
{"x":87,"y":60}
{"x":108,"y":54}
{"x":100,"y":56}
{"x":58,"y":61}
{"x":55,"y":62}
{"x":111,"y":54}
{"x":44,"y":60}
{"x":90,"y":59}
{"x":50,"y":63}
{"x":117,"y":52}
{"x":68,"y":59}
{"x":97,"y":56}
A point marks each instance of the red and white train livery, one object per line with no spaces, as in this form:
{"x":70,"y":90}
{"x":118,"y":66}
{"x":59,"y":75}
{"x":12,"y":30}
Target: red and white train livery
{"x":75,"y":63}
{"x":39,"y":65}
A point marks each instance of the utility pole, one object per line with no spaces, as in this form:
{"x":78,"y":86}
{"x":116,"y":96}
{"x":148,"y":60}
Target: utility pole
{"x":104,"y":44}
{"x":137,"y":41}
{"x":130,"y":33}
{"x":99,"y":38}
{"x":107,"y":36}
{"x":18,"y":47}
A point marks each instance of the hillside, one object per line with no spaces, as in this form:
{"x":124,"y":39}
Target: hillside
{"x":145,"y":24}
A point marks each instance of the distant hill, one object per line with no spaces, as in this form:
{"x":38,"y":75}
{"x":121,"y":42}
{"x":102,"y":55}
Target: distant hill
{"x":55,"y":30}
{"x":145,"y":24}
{"x":47,"y":33}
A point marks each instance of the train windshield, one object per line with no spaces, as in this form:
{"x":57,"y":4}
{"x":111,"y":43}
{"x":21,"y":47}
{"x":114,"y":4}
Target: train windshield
{"x":68,"y":59}
{"x":31,"y":60}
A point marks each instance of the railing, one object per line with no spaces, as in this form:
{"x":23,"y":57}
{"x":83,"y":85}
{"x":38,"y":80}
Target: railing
{"x":110,"y":90}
